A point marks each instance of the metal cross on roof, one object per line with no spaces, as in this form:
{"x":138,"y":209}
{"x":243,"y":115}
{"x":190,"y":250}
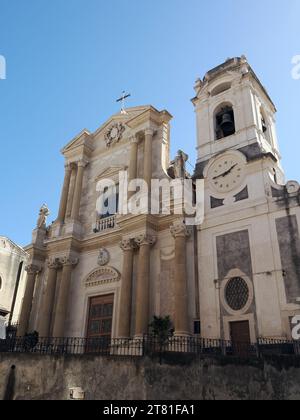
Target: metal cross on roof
{"x":123,"y":100}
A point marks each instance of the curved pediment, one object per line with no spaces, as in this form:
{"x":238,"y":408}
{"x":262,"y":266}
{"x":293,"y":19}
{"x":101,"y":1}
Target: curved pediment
{"x":102,"y":275}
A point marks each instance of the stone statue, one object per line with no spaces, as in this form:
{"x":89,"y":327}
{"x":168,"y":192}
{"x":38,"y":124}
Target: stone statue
{"x":42,"y":220}
{"x":179,"y":164}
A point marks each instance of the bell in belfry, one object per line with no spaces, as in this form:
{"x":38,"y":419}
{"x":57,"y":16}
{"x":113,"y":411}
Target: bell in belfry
{"x":227,"y":124}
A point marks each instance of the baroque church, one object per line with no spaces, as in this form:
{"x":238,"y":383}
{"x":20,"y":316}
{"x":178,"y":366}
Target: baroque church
{"x":236,"y":275}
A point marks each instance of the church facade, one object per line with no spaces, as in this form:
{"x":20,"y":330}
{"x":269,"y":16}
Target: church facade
{"x":234,"y":275}
{"x":13,"y":261}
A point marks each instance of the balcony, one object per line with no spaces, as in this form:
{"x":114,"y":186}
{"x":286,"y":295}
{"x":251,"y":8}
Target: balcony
{"x":105,"y":224}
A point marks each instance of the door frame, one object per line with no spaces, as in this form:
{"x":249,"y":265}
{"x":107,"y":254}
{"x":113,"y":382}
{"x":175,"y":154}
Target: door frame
{"x":227,"y":320}
{"x":88,"y":296}
{"x":89,"y":310}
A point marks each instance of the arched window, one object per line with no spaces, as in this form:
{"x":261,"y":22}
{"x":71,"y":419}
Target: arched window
{"x":221,"y":89}
{"x":265,"y":125}
{"x":224,"y":122}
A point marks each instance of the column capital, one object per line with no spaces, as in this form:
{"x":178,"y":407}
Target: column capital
{"x":180,"y":230}
{"x":33,"y":269}
{"x":145,"y":239}
{"x":82,"y":163}
{"x":134,"y":139}
{"x":68,"y":166}
{"x":149,"y":132}
{"x":54,"y":263}
{"x":68,"y":261}
{"x":127,"y":245}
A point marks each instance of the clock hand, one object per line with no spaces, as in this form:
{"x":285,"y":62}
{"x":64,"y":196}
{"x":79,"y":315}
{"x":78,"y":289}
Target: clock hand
{"x":219,"y":176}
{"x":230,"y":170}
{"x":225,"y":173}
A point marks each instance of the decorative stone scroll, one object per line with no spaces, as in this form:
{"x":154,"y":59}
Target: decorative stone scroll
{"x":101,"y":276}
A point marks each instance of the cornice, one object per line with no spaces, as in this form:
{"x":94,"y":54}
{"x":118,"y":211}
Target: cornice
{"x":129,"y":226}
{"x":14,"y":248}
{"x":150,"y":115}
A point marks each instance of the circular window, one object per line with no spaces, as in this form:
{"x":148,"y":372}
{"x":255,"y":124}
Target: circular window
{"x":237,"y":293}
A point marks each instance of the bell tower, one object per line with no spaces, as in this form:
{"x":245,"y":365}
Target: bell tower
{"x":234,"y":111}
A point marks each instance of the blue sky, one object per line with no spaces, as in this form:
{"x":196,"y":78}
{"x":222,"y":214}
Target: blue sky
{"x":68,"y":60}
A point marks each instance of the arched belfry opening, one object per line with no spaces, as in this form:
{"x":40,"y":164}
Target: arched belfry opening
{"x":224,"y":122}
{"x":265,"y":125}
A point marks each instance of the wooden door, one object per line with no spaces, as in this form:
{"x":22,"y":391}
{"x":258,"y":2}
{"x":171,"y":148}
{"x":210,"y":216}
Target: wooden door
{"x":240,"y":337}
{"x":100,"y":319}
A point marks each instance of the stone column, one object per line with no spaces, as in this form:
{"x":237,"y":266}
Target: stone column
{"x":65,"y":194}
{"x":48,"y":299}
{"x":125,"y":311}
{"x":71,"y":191}
{"x":133,"y":159}
{"x":148,"y":157}
{"x":180,"y":233}
{"x":32,"y":272}
{"x":145,"y":242}
{"x":63,"y":297}
{"x":78,"y":191}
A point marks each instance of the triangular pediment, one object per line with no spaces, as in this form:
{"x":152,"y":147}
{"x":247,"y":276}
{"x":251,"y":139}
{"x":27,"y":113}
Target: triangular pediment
{"x":110,"y":172}
{"x":10,"y":246}
{"x":131,"y":113}
{"x":78,"y":141}
{"x":132,"y":119}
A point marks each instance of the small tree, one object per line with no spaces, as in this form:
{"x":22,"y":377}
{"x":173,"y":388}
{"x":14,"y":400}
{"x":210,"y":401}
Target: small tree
{"x":31,"y":340}
{"x":162,"y":329}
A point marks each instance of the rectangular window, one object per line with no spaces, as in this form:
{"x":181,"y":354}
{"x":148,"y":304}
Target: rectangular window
{"x":197,"y":328}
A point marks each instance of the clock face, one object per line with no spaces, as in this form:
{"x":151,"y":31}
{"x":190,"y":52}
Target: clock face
{"x":226,"y":173}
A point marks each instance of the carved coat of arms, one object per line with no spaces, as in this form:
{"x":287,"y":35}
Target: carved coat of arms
{"x":114,"y":134}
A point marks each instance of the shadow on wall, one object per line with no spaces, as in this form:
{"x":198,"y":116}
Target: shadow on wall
{"x":10,"y":385}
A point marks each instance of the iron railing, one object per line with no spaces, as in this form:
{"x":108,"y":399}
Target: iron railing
{"x":148,"y":346}
{"x":12,"y":331}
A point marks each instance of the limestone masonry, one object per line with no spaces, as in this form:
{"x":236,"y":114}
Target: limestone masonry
{"x":234,"y":277}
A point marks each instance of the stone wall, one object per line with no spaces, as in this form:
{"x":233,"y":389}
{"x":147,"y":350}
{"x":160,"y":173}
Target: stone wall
{"x":48,"y":378}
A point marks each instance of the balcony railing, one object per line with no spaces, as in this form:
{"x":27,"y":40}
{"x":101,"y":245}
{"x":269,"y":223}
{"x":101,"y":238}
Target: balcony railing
{"x":105,"y":224}
{"x":148,"y":346}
